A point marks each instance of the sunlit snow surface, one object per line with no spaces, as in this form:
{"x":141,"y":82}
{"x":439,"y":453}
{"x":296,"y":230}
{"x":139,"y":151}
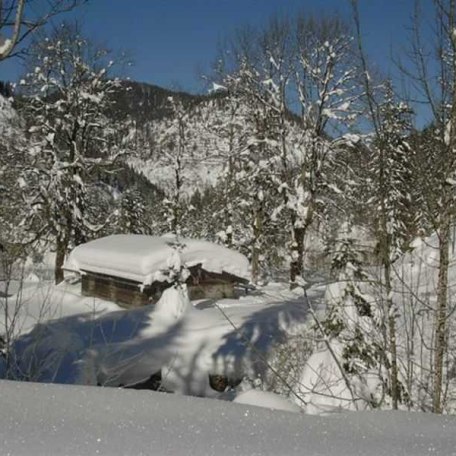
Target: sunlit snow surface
{"x":75,"y":420}
{"x":185,"y":341}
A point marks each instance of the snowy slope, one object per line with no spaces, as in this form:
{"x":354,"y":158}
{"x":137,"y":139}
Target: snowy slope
{"x":73,"y":420}
{"x":205,"y":150}
{"x":207,"y":146}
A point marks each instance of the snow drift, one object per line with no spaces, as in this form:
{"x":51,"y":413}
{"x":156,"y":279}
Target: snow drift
{"x":74,"y":420}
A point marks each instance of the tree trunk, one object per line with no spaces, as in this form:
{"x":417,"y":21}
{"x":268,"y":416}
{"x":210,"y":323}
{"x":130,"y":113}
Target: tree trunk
{"x":392,"y":340}
{"x":297,"y":247}
{"x":440,"y":342}
{"x":59,"y":260}
{"x":255,"y":260}
{"x":229,"y":228}
{"x":297,"y":254}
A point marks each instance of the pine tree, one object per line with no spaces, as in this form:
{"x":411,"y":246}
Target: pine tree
{"x":351,"y":317}
{"x":132,"y":216}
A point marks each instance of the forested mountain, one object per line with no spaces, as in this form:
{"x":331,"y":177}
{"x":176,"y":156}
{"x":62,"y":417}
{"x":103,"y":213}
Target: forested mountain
{"x":145,"y":102}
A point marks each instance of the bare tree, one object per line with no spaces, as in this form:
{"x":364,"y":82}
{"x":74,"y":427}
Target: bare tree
{"x":433,"y":76}
{"x":19,"y":19}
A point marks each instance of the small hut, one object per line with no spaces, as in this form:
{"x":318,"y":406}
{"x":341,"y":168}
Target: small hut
{"x":131,"y":270}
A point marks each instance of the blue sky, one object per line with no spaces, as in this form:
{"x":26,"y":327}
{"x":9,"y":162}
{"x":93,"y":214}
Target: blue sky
{"x":173,"y":41}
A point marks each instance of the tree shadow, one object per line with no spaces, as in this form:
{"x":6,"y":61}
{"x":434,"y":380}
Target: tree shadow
{"x":246,"y":348}
{"x":109,"y":349}
{"x":128,"y":347}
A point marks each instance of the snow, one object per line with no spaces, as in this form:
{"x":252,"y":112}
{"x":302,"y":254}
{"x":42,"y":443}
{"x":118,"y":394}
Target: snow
{"x":266,"y":399}
{"x":416,"y":277}
{"x":143,"y":258}
{"x":74,"y":420}
{"x":96,"y":343}
{"x":323,"y":388}
{"x":34,"y":302}
{"x":199,"y":173}
{"x":174,"y":304}
{"x":5,"y":43}
{"x":414,"y":294}
{"x":187,"y":342}
{"x":217,"y":88}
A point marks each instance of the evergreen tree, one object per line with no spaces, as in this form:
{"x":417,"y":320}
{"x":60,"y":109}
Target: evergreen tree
{"x":351,"y":317}
{"x":132,"y":215}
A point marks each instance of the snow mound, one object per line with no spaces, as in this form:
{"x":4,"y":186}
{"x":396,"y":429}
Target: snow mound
{"x":324,"y":390}
{"x":173,"y":304}
{"x":143,"y":258}
{"x":267,"y":400}
{"x":35,"y":302}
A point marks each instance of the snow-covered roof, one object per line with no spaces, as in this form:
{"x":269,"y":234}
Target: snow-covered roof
{"x":143,"y":258}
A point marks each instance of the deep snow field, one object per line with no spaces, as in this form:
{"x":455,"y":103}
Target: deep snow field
{"x":46,"y":420}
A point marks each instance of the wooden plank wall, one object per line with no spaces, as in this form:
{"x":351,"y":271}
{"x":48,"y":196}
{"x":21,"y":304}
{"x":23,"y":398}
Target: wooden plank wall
{"x":127,"y":293}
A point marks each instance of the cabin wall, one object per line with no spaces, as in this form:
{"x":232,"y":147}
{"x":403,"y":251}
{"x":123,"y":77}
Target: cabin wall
{"x":201,"y":285}
{"x":111,"y":289}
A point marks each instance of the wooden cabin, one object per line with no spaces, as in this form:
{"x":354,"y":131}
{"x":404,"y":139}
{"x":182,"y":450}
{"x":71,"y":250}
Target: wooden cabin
{"x":129,"y":269}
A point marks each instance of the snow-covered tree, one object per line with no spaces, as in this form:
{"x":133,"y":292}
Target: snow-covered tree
{"x":131,"y":213}
{"x":68,"y":92}
{"x":250,"y":181}
{"x":174,"y":151}
{"x":388,"y":178}
{"x":308,"y":62}
{"x":12,"y":141}
{"x":324,"y":85}
{"x":232,"y":130}
{"x":351,"y":317}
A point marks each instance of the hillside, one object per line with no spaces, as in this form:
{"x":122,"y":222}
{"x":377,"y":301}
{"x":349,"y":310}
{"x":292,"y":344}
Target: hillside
{"x":212,"y":130}
{"x":146,"y":102}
